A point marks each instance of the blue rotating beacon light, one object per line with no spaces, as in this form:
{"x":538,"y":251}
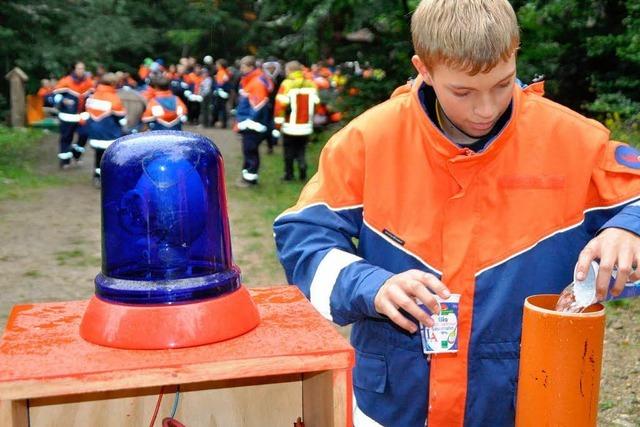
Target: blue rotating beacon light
{"x":168,"y":278}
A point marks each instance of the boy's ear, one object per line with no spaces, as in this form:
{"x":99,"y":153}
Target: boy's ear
{"x":422,"y":69}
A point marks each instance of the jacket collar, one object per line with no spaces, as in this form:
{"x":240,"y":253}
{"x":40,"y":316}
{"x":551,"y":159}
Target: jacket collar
{"x":447,"y":148}
{"x":250,"y":76}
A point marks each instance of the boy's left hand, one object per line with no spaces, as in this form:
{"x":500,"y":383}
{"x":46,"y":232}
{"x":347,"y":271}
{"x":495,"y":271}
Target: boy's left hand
{"x":614,"y":247}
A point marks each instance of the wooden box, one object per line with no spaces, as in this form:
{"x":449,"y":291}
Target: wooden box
{"x":294,"y":364}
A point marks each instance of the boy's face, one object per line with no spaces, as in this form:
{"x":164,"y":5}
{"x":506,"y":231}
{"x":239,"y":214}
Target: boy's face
{"x":79,"y":70}
{"x":473,"y":103}
{"x":245,"y":69}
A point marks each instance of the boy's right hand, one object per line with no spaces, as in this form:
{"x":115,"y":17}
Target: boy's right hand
{"x":402,"y":290}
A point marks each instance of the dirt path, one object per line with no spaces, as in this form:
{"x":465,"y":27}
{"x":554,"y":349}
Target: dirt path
{"x":50,"y":250}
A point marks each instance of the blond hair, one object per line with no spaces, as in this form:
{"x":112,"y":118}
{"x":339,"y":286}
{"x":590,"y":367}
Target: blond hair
{"x":469,"y":35}
{"x":110,"y":79}
{"x":292,"y":66}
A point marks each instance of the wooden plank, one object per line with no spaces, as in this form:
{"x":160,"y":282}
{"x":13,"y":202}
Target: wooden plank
{"x":45,"y":356}
{"x":271,"y":401}
{"x":156,"y":377}
{"x":327,"y":398}
{"x":317,"y":399}
{"x":14,"y":413}
{"x":342,"y":397}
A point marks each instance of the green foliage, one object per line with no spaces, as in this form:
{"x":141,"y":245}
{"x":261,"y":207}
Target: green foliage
{"x":45,"y":37}
{"x":589,"y":51}
{"x":624,"y":130}
{"x":313,"y":30}
{"x":18,"y":149}
{"x":16,"y":146}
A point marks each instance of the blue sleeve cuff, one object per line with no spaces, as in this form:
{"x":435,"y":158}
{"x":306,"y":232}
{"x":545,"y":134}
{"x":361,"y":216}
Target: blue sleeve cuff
{"x":627,"y":219}
{"x":371,"y":284}
{"x":356,"y":288}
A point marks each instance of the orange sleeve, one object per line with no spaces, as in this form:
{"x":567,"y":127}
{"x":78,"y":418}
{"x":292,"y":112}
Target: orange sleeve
{"x":339,"y":181}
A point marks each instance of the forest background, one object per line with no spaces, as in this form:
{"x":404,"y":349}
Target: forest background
{"x":588,"y":50}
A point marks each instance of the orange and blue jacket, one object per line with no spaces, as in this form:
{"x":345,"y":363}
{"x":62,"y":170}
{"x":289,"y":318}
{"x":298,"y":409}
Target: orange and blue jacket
{"x":252,"y":112}
{"x":223,"y":79}
{"x":165,"y":111}
{"x":69,"y":96}
{"x":104,"y":111}
{"x":393,"y":193}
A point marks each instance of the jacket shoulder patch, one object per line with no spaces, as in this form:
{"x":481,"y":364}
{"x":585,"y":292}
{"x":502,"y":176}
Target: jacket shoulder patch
{"x":628,"y":156}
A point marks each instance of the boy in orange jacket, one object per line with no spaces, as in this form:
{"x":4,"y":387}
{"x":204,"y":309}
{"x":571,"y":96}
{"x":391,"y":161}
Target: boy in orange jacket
{"x":463,"y":183}
{"x":69,"y":96}
{"x":165,"y":111}
{"x":104,"y":118}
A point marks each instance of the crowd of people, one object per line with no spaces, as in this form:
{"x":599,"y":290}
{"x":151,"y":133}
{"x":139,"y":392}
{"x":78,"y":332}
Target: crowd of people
{"x":268,"y":100}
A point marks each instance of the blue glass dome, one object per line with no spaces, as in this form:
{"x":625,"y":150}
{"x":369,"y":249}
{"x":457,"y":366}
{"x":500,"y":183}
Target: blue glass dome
{"x":165,"y":230}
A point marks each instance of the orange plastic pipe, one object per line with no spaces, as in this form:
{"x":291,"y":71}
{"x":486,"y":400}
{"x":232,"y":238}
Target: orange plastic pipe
{"x":560,"y":363}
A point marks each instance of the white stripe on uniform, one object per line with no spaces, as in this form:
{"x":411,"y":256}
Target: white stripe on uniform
{"x":325,"y":279}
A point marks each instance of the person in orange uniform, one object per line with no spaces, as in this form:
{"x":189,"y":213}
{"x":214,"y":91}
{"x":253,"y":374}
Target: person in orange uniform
{"x":105,"y":116}
{"x":463,"y":183}
{"x":295,"y":105}
{"x":46,"y":92}
{"x":194,"y":100}
{"x":222,"y":89}
{"x":253,"y":117}
{"x":69,"y":96}
{"x":165,"y":111}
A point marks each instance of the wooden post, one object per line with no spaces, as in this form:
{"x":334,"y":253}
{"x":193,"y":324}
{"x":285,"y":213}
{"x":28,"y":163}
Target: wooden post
{"x":16,"y":78}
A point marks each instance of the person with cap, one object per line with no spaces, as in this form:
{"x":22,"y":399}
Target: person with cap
{"x":145,"y":69}
{"x":205,"y":91}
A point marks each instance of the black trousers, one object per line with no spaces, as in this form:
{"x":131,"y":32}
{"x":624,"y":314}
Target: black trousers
{"x":205,"y":111}
{"x":295,"y":147}
{"x":98,"y":158}
{"x":194,"y":111}
{"x":67,"y":130}
{"x":250,"y":143}
{"x":220,"y":110}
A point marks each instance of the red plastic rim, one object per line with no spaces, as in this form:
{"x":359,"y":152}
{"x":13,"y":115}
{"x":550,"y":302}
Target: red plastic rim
{"x":169,"y":326}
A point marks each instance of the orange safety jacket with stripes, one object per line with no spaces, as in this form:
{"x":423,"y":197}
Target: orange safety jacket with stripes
{"x":393,"y":193}
{"x":69,"y":96}
{"x":165,"y":111}
{"x":105,"y":115}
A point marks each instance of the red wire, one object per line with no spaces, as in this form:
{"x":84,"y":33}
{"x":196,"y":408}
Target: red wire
{"x":170,"y":422}
{"x":155,"y":413}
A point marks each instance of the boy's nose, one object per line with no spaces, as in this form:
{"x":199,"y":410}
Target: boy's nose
{"x":485,"y":109}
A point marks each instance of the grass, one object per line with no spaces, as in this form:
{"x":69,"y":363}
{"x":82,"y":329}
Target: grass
{"x":33,"y":273}
{"x":607,"y":404}
{"x":254,"y":209}
{"x":19,"y":149}
{"x":77,"y":257}
{"x":273,"y":196}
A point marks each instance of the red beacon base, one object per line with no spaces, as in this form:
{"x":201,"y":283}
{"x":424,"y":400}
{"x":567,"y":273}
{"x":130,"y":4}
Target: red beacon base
{"x":151,"y":327}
